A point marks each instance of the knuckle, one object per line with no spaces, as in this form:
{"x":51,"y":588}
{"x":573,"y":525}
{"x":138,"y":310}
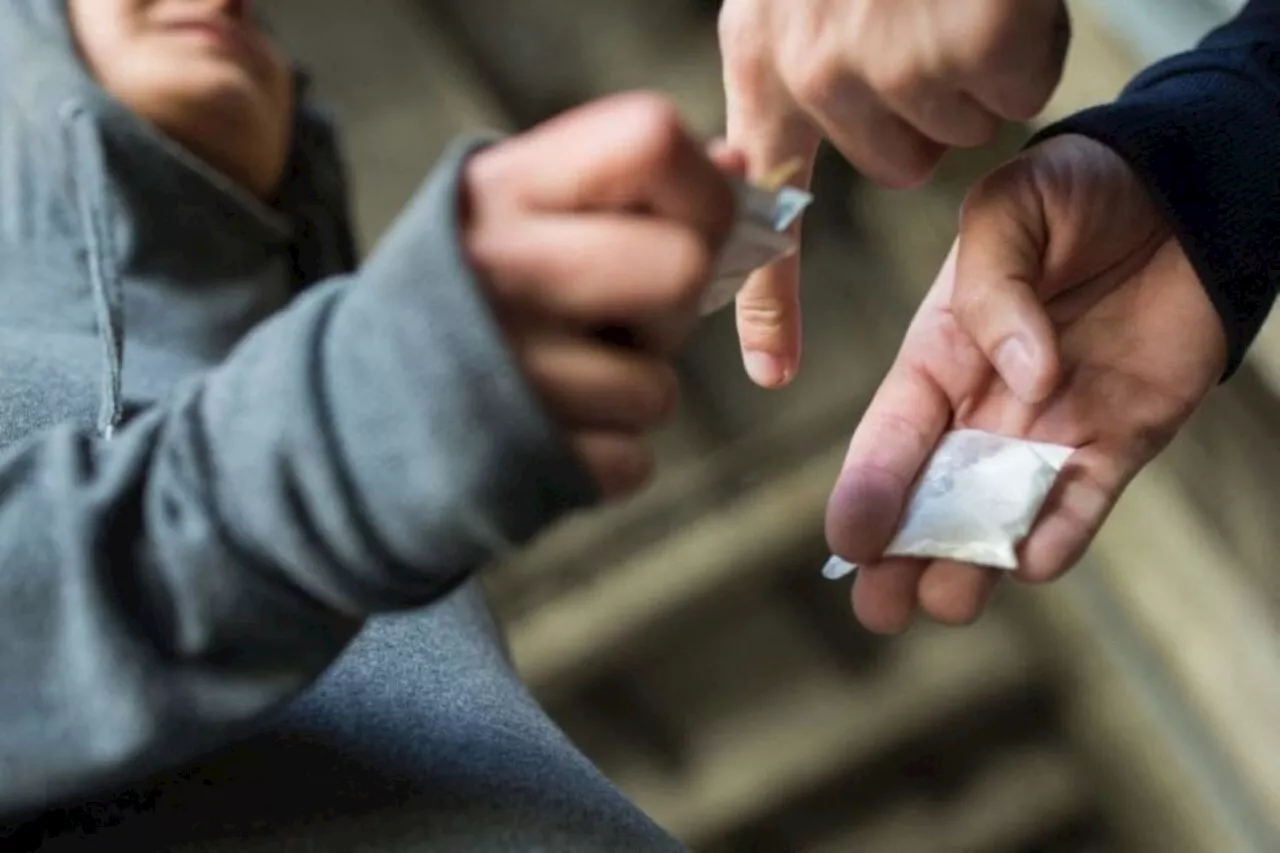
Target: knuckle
{"x":970,"y":303}
{"x":764,"y":313}
{"x":814,"y":80}
{"x":740,"y":31}
{"x":483,"y":172}
{"x":948,"y":609}
{"x":763,"y":320}
{"x":896,"y":80}
{"x":481,"y":184}
{"x":660,"y":132}
{"x":810,"y":65}
{"x":493,"y":253}
{"x":748,"y":73}
{"x":884,"y":622}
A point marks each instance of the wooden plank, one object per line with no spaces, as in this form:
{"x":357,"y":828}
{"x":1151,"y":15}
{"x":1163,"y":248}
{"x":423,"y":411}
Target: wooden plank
{"x":818,"y":730}
{"x":1016,"y":799}
{"x":1218,"y":640}
{"x":1129,"y":721}
{"x":1227,"y":464}
{"x":588,"y":628}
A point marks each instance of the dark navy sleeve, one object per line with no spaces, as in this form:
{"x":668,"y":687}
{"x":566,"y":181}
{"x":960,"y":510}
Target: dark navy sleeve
{"x":1202,"y":132}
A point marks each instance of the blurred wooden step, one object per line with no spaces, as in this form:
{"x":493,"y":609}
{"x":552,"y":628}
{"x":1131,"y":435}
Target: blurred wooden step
{"x":587,"y":628}
{"x":784,"y":745}
{"x":1014,"y":801}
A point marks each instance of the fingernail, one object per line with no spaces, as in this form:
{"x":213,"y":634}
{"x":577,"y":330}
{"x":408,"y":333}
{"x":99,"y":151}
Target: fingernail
{"x":1016,"y":366}
{"x":765,"y":369}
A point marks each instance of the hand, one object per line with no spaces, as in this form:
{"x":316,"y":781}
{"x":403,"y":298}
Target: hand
{"x":609,"y":217}
{"x":1067,"y":313}
{"x":893,"y":84}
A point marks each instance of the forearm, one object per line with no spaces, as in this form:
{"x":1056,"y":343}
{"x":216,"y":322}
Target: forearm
{"x":365,"y":450}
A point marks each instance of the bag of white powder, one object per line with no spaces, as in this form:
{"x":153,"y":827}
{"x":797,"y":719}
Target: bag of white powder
{"x":975,"y":502}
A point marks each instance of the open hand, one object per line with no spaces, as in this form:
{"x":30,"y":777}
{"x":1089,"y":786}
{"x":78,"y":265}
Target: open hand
{"x":1068,"y":313}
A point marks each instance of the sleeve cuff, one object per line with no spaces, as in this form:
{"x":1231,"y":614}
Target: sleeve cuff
{"x":1201,"y":133}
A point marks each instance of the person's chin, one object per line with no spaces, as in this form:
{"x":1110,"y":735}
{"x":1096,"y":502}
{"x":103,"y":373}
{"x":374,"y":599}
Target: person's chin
{"x":229,"y":99}
{"x":219,"y":80}
{"x":225,"y":114}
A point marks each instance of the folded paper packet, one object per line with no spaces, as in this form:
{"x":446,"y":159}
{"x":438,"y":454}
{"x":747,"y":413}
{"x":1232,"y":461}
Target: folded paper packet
{"x":759,"y":237}
{"x":975,"y":502}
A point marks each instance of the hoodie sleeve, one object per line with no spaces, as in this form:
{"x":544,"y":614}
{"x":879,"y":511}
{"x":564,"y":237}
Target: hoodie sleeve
{"x":1202,"y":132}
{"x":363,"y":451}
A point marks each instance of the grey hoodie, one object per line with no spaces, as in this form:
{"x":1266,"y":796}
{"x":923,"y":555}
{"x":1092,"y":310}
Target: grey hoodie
{"x":223,"y":451}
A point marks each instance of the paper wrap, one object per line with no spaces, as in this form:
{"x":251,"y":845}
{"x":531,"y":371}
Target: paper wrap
{"x":759,"y":237}
{"x":975,"y":501}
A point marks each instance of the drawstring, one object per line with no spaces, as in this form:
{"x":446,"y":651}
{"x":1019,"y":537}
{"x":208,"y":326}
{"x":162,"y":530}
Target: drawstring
{"x":104,"y":272}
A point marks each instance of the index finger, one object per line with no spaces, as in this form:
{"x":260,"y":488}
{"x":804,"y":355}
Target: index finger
{"x":890,"y":447}
{"x":773,"y":132}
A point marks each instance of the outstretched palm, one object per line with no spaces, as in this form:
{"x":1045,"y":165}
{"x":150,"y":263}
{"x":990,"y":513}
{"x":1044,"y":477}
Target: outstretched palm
{"x":1067,"y":313}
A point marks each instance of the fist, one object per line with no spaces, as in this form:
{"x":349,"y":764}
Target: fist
{"x":594,"y":235}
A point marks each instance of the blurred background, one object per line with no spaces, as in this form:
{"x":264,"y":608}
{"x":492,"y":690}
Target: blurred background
{"x":686,"y":641}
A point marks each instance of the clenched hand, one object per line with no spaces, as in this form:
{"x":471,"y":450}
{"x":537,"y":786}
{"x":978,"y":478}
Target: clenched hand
{"x":892,"y":84}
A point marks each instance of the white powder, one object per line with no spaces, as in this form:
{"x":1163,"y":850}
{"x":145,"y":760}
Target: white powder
{"x":976,"y":501}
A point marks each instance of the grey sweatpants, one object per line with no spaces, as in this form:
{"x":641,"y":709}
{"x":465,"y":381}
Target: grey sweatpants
{"x":421,"y":737}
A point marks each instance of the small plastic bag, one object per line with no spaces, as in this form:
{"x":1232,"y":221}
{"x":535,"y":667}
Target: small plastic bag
{"x":976,"y":500}
{"x":759,"y":237}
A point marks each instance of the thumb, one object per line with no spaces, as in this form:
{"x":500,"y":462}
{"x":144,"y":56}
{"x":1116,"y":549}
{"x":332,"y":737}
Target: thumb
{"x":1004,"y":235}
{"x":772,"y":133}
